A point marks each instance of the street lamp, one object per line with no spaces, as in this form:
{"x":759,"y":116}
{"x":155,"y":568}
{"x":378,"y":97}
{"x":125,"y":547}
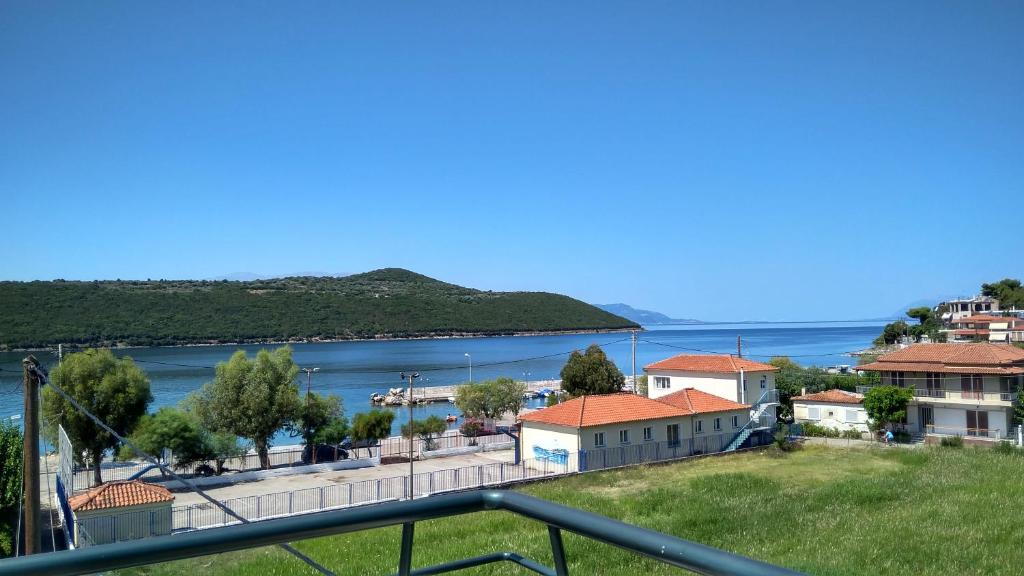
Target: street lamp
{"x":526,"y":376}
{"x":470,"y":366}
{"x":411,"y":377}
{"x":309,"y":378}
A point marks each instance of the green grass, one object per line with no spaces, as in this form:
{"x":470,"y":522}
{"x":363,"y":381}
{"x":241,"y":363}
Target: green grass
{"x":817,"y":510}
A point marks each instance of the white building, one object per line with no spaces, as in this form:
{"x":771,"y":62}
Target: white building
{"x":116,"y":511}
{"x":832,"y":409}
{"x":980,"y":327}
{"x":730,"y":377}
{"x":595,"y":423}
{"x":959,"y":389}
{"x":963,"y":307}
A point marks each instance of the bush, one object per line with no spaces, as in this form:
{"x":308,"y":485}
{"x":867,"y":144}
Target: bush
{"x":952,"y":442}
{"x":852,"y":434}
{"x":1004,"y":447}
{"x":815,"y":430}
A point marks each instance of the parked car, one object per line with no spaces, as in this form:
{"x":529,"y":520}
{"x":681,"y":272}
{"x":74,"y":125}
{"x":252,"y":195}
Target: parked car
{"x":324,"y":453}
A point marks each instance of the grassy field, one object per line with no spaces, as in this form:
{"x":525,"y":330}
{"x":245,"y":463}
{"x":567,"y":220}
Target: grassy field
{"x":817,"y":510}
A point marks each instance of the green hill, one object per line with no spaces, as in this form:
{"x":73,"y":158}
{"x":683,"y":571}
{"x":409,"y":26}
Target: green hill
{"x":383,"y":303}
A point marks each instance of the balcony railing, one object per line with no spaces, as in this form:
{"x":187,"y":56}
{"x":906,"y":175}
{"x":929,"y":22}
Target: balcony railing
{"x":965,"y":432}
{"x":955,"y":395}
{"x":654,"y":545}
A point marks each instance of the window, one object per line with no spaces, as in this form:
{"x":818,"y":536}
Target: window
{"x":971,"y":387}
{"x":672,"y":432}
{"x":814,"y":413}
{"x":623,"y":436}
{"x":599,"y":439}
{"x":700,"y":426}
{"x":933,"y":381}
{"x":718,"y":423}
{"x":851,"y":416}
{"x":662,"y":382}
{"x":1008,"y":384}
{"x":735,"y":421}
{"x":648,"y":433}
{"x":764,"y":382}
{"x":897,"y":378}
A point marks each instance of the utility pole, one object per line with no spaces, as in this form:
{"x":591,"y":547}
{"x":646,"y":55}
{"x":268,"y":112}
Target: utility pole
{"x":306,"y":430}
{"x":309,"y":378}
{"x":30,"y":466}
{"x":739,"y":346}
{"x":636,"y":389}
{"x":412,"y":477}
{"x":470,"y":366}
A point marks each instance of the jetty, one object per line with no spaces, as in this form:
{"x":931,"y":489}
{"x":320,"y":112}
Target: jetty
{"x":432,"y":394}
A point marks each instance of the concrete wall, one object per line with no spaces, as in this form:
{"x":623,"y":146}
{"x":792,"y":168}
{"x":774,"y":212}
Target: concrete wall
{"x":832,"y":415}
{"x":722,"y":385}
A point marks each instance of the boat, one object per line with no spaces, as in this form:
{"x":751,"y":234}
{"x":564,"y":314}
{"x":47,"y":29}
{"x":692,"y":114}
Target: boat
{"x":450,"y":419}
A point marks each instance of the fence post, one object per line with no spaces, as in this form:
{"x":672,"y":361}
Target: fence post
{"x":378,"y":488}
{"x":350,"y":493}
{"x":290,"y":494}
{"x":479,"y":475}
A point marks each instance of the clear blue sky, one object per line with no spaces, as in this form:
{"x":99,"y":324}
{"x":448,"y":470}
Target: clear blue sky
{"x":718,"y":160}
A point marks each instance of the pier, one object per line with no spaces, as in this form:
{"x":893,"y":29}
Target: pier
{"x":433,"y":394}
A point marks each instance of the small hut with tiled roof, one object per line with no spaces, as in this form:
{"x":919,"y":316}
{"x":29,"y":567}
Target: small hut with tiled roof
{"x":833,"y":408}
{"x":126,"y":510}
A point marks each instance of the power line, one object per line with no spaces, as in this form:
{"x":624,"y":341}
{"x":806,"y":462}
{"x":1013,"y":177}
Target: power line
{"x":166,"y":469}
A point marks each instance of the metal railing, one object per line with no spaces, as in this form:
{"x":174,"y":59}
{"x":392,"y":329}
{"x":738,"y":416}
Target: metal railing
{"x":190,"y":517}
{"x":965,"y":432}
{"x":657,"y":546}
{"x":956,"y":395}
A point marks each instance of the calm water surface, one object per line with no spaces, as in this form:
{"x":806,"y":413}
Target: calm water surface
{"x":354,"y":370}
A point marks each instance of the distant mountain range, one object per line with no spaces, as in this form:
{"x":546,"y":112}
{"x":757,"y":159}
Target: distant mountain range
{"x":644,"y":317}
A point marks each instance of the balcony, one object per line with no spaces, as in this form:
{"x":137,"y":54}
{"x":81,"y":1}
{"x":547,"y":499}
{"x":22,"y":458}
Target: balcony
{"x":974,"y":398}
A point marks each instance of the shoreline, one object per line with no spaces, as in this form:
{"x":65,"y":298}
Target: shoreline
{"x":377,"y":338}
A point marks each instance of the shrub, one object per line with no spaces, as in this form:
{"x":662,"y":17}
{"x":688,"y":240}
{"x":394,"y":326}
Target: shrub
{"x":816,"y":430}
{"x":1004,"y":447}
{"x":952,"y":442}
{"x":852,"y":434}
{"x":471,"y":429}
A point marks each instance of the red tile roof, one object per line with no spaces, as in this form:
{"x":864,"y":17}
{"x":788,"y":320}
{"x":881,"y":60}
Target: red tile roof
{"x":599,"y":410}
{"x":603,"y":409}
{"x":983,"y":318}
{"x":834,"y":396}
{"x":119,"y":495}
{"x":697,"y":402}
{"x":721,"y":363}
{"x":958,"y":358}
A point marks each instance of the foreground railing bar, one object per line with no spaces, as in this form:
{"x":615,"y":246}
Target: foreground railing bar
{"x":405,"y":556}
{"x":667,"y":549}
{"x":492,"y":558}
{"x":558,"y":551}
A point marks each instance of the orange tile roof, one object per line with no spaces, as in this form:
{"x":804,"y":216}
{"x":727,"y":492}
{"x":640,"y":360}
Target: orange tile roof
{"x":698,"y":402}
{"x":983,"y":318}
{"x":835,"y":396}
{"x":119,"y":495}
{"x":969,"y":358}
{"x":602,"y":409}
{"x":723,"y":363}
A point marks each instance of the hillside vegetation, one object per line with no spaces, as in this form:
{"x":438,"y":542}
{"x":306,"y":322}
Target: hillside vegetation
{"x":382,"y":303}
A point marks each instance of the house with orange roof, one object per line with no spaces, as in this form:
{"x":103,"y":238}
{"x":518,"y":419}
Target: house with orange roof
{"x":688,"y":421}
{"x":982,"y":327}
{"x":124,"y":510}
{"x":959,"y":389}
{"x":833,"y":408}
{"x":737,"y":379}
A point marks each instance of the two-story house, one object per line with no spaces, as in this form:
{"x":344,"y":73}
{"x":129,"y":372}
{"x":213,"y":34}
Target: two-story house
{"x":963,"y":307}
{"x":980,"y":327}
{"x":959,"y":389}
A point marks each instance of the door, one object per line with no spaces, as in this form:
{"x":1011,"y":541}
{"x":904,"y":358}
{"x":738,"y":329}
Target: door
{"x":970,"y":387}
{"x":673,"y":434}
{"x":927,"y":418}
{"x":977,"y":423}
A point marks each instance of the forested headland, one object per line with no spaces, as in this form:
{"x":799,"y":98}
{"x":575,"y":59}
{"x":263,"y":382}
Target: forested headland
{"x":386,"y":303}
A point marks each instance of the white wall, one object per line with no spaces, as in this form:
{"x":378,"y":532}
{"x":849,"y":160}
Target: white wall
{"x":126,"y":523}
{"x":719,"y":384}
{"x":837,"y":418}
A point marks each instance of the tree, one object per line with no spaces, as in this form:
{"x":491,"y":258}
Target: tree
{"x":11,"y":443}
{"x":426,"y":429}
{"x":491,"y":398}
{"x":251,"y":399}
{"x":314,"y":415}
{"x":1008,"y":291}
{"x":221,"y":447}
{"x":892,"y":333}
{"x":887,"y":404}
{"x":168,"y":428}
{"x":114,"y":389}
{"x":371,"y":426}
{"x":641,"y":385}
{"x":471,"y":429}
{"x":591,"y":373}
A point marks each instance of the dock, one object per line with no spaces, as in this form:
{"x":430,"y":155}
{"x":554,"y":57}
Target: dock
{"x":433,"y":394}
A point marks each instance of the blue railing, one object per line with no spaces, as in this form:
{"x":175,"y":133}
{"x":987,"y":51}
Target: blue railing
{"x":655,"y":545}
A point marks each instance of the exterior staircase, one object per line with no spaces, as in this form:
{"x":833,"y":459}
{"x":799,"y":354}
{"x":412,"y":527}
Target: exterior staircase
{"x":762,"y":417}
